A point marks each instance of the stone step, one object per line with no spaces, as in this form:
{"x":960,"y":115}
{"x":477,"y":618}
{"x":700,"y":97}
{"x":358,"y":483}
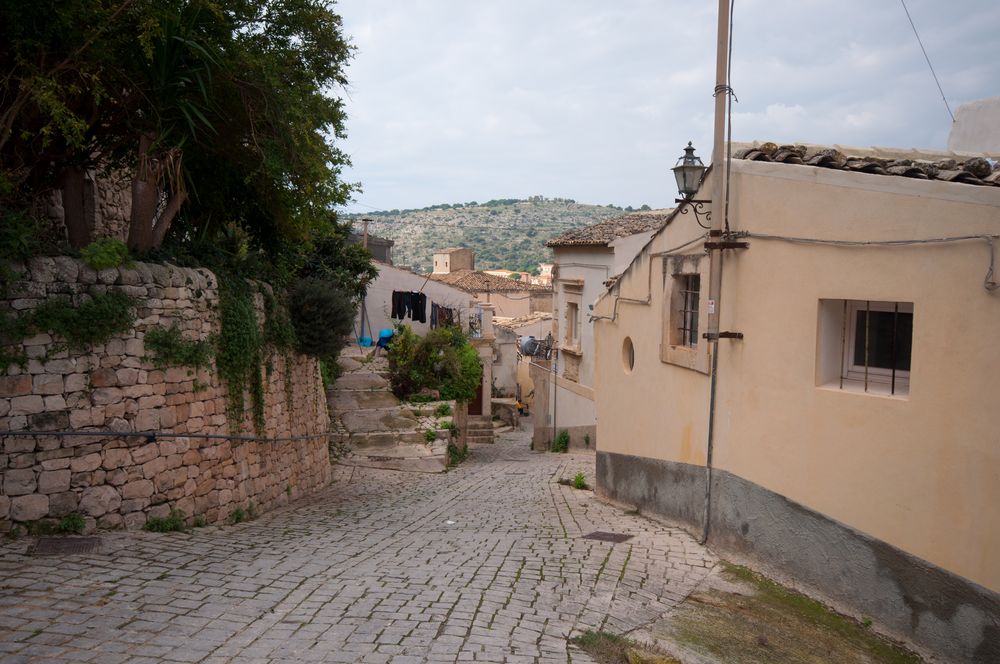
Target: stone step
{"x":362,"y":380}
{"x":341,"y":401}
{"x":432,"y":464}
{"x":414,"y":458}
{"x":379,"y":420}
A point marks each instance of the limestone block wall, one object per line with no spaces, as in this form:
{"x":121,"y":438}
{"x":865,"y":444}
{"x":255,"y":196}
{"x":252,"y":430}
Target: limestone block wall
{"x":107,"y":204}
{"x":158,"y":461}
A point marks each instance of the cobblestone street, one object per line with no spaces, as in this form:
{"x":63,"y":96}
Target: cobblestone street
{"x":483,"y":563}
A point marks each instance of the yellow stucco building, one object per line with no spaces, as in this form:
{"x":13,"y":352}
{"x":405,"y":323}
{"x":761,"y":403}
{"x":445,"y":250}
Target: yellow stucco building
{"x":856,"y":441}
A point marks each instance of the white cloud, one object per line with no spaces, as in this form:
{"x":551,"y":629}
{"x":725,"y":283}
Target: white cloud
{"x":454,"y":101}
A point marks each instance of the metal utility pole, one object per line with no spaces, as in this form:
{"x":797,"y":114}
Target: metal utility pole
{"x":719,"y":214}
{"x":718,"y":170}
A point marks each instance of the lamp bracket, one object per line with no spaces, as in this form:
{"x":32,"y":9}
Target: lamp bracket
{"x":698,"y":207}
{"x":722,"y":335}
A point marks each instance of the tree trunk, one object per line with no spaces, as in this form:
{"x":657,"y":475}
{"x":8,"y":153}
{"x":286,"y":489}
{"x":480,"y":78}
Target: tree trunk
{"x":75,"y":217}
{"x":145,"y":192}
{"x":146,"y":231}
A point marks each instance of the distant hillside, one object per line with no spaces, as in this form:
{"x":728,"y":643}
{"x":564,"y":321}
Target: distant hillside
{"x":506,"y":233}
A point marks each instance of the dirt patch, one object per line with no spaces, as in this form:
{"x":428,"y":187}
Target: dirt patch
{"x":741,"y":616}
{"x":605,"y":648}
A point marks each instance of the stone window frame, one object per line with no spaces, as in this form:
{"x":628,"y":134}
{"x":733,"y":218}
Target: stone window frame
{"x":570,"y":340}
{"x":673,"y":350}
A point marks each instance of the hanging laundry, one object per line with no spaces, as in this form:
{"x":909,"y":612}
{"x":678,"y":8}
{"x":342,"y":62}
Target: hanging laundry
{"x":397,"y":304}
{"x":418,"y":307}
{"x":409,"y":304}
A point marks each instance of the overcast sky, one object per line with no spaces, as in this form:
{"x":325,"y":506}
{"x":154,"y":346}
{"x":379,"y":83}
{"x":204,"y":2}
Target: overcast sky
{"x":452,"y":101}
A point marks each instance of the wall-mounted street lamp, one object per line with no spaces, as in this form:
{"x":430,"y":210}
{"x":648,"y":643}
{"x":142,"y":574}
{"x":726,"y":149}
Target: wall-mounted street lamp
{"x":689,"y":172}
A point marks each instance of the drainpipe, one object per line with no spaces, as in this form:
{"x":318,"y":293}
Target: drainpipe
{"x":555,"y":396}
{"x":715,"y":235}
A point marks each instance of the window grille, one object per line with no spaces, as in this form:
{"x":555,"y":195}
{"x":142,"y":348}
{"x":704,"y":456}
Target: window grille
{"x":877,"y":344}
{"x":690,"y":288}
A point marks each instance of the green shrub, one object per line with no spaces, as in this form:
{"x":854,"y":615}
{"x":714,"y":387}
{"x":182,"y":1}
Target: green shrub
{"x":104,"y":253}
{"x":169,"y":348}
{"x":279,"y":333}
{"x":329,"y":370}
{"x":443,"y":410}
{"x":579,"y":481}
{"x":22,"y":235}
{"x":561,"y":442}
{"x":430,"y":435}
{"x":71,"y":524}
{"x":404,"y":376}
{"x":167,"y":524}
{"x":443,"y":360}
{"x":322,"y":315}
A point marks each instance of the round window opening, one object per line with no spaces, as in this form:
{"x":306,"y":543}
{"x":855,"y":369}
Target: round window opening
{"x":628,"y":355}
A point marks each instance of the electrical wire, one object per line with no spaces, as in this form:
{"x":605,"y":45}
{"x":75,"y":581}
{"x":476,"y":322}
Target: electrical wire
{"x":649,"y":280}
{"x":927,"y":57}
{"x":988,"y":281}
{"x":459,"y":225}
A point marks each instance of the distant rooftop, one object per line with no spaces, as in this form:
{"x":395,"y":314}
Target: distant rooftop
{"x":515,"y":322}
{"x":919,"y":164}
{"x":474,"y":281}
{"x":609,"y":230}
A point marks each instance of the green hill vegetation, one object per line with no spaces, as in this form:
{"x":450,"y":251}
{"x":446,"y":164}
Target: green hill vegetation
{"x":505,"y":233}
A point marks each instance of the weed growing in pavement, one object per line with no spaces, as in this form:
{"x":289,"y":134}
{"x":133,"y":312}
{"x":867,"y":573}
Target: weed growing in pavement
{"x":580,"y":481}
{"x":71,"y":524}
{"x":239,"y":515}
{"x":172,"y":523}
{"x":456,"y":455}
{"x":430,"y":435}
{"x":561,"y":442}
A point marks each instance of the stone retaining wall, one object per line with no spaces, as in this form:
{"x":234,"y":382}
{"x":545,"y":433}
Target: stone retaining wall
{"x":120,"y":481}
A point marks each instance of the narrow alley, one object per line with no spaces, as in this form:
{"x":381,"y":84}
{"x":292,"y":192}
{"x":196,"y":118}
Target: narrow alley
{"x":487,"y":562}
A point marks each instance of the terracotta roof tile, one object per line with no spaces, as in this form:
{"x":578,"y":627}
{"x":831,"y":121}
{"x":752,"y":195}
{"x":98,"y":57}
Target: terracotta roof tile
{"x":520,"y":321}
{"x":924,"y":166}
{"x":474,"y":281}
{"x":605,"y":232}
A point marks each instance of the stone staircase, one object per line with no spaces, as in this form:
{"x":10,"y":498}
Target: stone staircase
{"x":379,"y":431}
{"x":480,"y":429}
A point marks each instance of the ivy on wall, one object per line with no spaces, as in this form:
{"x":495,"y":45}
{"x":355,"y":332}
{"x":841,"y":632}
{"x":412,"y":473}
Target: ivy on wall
{"x":238,"y":353}
{"x":74,"y":327}
{"x":169,"y":348}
